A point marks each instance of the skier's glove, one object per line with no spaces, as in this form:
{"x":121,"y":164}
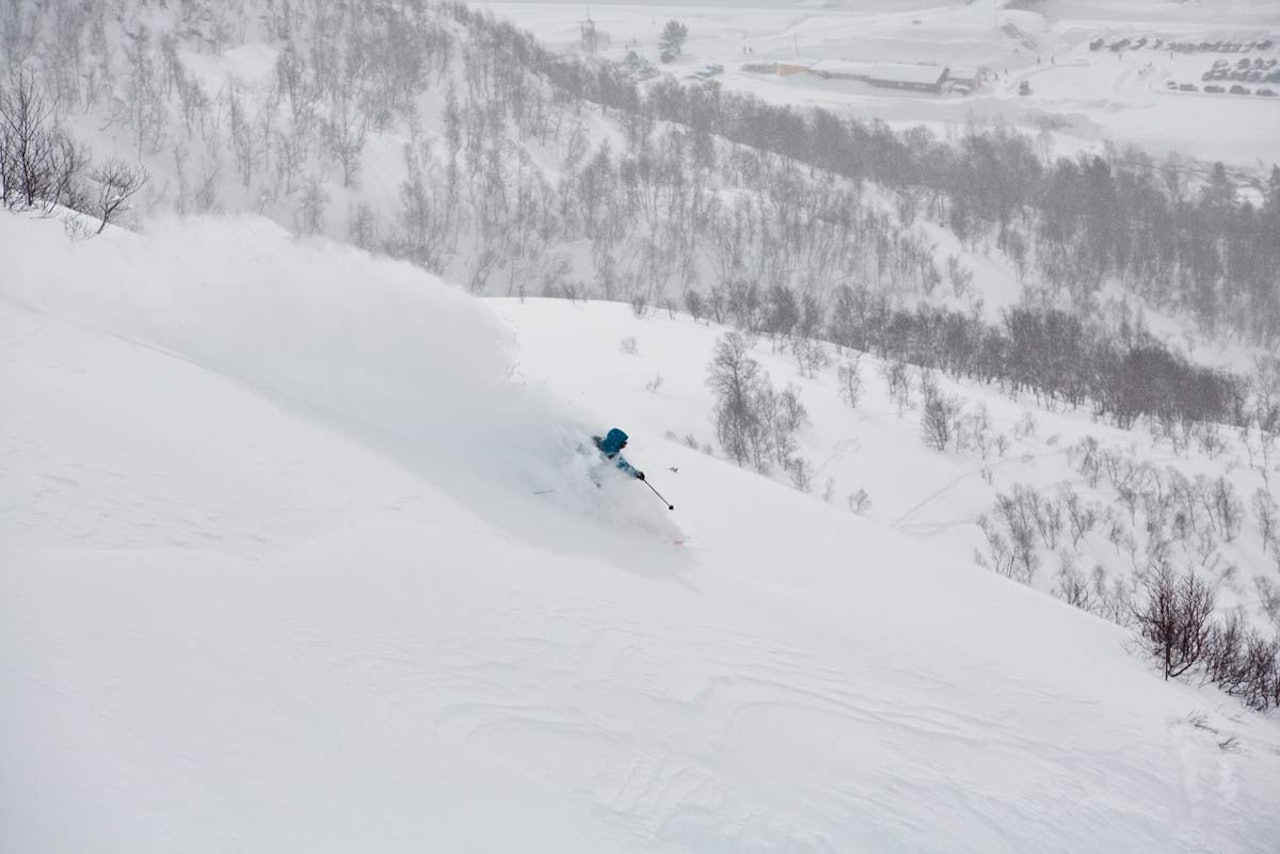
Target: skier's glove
{"x":639,"y":475}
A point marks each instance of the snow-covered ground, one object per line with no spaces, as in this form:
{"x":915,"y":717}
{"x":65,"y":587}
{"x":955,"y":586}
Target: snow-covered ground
{"x":298,"y":553}
{"x":878,"y":446}
{"x":1079,"y":98}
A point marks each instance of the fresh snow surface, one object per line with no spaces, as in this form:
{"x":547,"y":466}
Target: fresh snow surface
{"x":275,"y":575}
{"x":656,"y":385}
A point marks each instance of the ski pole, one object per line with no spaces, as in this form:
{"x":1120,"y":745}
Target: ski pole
{"x":670,"y":506}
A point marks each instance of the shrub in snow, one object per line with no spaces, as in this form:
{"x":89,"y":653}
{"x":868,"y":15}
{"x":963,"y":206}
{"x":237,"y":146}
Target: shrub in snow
{"x":1174,"y":620}
{"x":939,"y":418}
{"x":859,"y":502}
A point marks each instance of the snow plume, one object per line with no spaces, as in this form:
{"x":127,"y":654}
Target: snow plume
{"x":415,"y":369}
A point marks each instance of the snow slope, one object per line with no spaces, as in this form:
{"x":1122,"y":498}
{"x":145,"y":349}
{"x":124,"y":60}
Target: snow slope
{"x":658,"y":387}
{"x":273,"y":577}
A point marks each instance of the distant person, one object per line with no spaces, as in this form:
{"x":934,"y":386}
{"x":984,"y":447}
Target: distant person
{"x":611,"y":448}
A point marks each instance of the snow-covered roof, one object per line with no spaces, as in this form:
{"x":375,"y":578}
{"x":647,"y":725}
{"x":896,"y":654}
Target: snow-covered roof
{"x":843,"y":67}
{"x":899,"y":73}
{"x":881,"y":71}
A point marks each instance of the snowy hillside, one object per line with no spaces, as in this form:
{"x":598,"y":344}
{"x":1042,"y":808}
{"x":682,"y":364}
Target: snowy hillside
{"x":1106,"y":497}
{"x":443,"y":135}
{"x":1077,"y":98}
{"x":298,"y":552}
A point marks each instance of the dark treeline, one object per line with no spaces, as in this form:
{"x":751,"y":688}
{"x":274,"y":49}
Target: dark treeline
{"x":1047,"y":352}
{"x":1194,"y":246}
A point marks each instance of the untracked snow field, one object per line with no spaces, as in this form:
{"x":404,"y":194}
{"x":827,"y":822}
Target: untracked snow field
{"x":298,"y":552}
{"x":1078,"y":98}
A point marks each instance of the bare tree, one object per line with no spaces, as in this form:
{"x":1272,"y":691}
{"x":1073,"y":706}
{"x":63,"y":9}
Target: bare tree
{"x":849,"y":380}
{"x":346,"y":131}
{"x":1022,"y":516}
{"x":938,"y":419}
{"x":144,"y":105}
{"x":1225,"y":510}
{"x":801,"y":474}
{"x":117,"y":182}
{"x":694,"y":304}
{"x":735,"y":380}
{"x":1003,"y":561}
{"x":1269,"y":597}
{"x":69,"y":160}
{"x":788,"y":418}
{"x":310,"y":213}
{"x":1243,"y":663}
{"x":1174,"y":622}
{"x":859,"y":502}
{"x":1265,"y":508}
{"x":1073,"y":587}
{"x":28,"y":145}
{"x":362,"y":227}
{"x":1080,"y":517}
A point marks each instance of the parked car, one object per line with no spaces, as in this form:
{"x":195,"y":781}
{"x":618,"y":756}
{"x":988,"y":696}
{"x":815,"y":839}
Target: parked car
{"x":1266,"y":93}
{"x":1239,"y":90}
{"x":1215,"y":89}
{"x":1097,"y":44}
{"x":1188,"y":87}
{"x":1171,"y":84}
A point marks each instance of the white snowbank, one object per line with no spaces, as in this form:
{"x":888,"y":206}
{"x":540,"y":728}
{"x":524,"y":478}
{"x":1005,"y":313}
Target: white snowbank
{"x":411,"y":367}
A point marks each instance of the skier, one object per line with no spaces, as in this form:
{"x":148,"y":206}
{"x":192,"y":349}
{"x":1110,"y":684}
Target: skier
{"x":611,"y":447}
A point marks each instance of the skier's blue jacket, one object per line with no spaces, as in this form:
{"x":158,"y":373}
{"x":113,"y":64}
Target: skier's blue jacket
{"x":611,"y":446}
